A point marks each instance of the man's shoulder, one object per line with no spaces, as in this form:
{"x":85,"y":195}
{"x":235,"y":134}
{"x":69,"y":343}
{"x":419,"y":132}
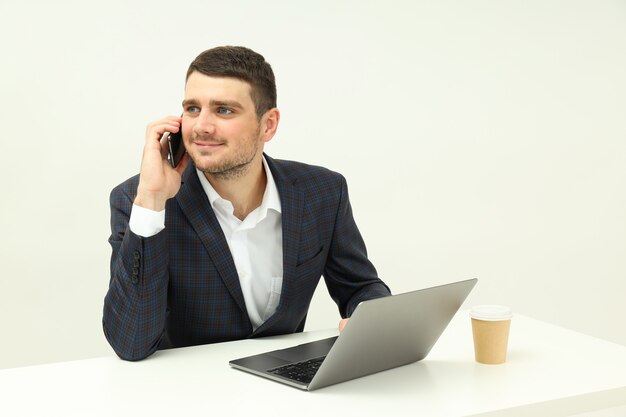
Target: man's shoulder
{"x":127,"y":188}
{"x":304,"y":173}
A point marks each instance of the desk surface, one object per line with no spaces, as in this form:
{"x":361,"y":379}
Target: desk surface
{"x":551,"y":371}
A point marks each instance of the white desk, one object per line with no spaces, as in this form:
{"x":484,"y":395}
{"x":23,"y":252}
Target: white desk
{"x":550,"y":371}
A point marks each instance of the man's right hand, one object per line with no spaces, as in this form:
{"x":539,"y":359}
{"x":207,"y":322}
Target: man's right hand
{"x":158,"y":181}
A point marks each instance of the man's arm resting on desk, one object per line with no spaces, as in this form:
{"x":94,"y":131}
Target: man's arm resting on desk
{"x":135,"y":305}
{"x":349,"y":274}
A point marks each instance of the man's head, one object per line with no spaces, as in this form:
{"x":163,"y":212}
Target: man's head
{"x":229,"y":111}
{"x":243,"y":64}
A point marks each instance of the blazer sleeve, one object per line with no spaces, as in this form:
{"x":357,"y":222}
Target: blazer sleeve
{"x":135,"y":306}
{"x":349,"y":274}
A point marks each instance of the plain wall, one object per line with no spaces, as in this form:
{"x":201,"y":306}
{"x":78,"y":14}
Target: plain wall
{"x":479,"y":139}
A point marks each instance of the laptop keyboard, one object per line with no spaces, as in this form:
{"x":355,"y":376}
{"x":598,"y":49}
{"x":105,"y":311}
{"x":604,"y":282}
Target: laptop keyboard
{"x":299,"y":371}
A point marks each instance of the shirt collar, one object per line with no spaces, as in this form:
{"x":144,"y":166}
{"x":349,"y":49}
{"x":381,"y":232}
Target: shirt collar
{"x":271,"y":198}
{"x":271,"y":195}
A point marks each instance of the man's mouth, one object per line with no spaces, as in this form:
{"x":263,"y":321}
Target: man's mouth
{"x":207,"y":145}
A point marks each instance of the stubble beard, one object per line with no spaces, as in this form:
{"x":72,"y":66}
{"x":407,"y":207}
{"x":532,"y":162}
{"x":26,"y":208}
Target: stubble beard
{"x":229,"y":171}
{"x":236,"y":166}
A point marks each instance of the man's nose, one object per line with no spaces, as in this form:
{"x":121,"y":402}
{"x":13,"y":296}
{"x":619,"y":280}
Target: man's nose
{"x":204,"y":124}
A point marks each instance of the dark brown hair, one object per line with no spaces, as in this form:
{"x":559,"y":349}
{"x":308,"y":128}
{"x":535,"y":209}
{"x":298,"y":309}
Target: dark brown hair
{"x":244,"y":64}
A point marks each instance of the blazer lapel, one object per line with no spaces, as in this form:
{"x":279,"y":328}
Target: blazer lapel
{"x":194,"y":203}
{"x":291,"y":201}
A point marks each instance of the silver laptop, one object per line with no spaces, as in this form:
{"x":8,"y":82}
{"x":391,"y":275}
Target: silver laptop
{"x":383,"y":333}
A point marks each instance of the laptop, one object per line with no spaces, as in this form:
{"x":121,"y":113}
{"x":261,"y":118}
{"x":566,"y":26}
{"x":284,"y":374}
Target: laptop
{"x":382,"y":333}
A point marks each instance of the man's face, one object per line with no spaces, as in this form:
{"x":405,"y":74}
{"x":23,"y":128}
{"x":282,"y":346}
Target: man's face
{"x":220,"y":127}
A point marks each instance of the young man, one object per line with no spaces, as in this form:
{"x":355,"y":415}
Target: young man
{"x":231,"y":243}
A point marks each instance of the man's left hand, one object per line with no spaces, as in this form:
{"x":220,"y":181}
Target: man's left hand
{"x":342,"y":324}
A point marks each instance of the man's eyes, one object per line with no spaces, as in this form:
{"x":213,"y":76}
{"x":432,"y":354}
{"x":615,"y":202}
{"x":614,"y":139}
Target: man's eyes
{"x":224,"y":111}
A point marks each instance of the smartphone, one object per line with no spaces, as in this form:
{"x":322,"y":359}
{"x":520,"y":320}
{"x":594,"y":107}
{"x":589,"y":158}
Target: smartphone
{"x":176,"y":147}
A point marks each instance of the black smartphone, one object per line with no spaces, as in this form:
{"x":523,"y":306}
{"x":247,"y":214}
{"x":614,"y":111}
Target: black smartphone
{"x":176,"y":147}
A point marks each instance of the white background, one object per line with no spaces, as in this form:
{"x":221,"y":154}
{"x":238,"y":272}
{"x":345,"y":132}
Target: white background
{"x":479,"y":139}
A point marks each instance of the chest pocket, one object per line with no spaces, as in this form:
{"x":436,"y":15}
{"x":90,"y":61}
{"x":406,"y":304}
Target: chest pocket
{"x":312,"y":260}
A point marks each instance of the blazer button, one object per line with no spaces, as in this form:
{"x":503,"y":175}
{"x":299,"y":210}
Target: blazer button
{"x":136,"y":255}
{"x":135,"y":271}
{"x":134,"y":279}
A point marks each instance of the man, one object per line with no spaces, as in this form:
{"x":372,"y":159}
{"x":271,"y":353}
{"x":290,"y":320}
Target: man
{"x":231,"y":243}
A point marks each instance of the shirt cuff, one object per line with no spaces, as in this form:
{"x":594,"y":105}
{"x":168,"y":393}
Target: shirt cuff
{"x":145,"y":222}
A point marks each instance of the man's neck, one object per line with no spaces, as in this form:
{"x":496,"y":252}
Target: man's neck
{"x":245,"y":192}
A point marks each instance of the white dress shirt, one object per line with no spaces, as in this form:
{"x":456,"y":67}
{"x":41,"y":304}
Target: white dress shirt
{"x":256,"y":244}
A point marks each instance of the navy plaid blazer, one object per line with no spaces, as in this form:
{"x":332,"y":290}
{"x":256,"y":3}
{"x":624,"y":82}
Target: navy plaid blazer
{"x":180,"y":287}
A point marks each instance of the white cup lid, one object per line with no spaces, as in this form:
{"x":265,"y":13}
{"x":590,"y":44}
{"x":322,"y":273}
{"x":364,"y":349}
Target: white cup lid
{"x":491,"y":313}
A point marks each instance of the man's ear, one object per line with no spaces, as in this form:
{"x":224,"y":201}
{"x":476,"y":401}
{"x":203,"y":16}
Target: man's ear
{"x":269,"y":124}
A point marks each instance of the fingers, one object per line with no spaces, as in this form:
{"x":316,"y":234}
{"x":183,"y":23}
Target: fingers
{"x":157,"y":133}
{"x":157,"y":129}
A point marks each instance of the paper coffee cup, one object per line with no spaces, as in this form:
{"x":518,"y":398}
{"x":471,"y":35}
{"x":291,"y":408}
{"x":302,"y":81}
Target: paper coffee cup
{"x":490,"y":327}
